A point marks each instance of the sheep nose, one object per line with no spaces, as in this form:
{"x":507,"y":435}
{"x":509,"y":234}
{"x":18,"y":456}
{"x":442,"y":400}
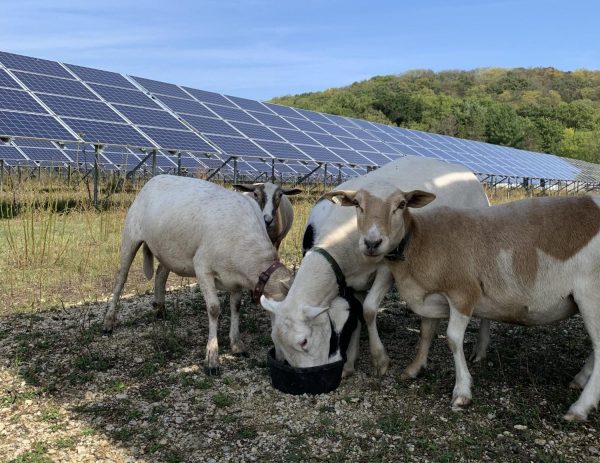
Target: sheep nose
{"x":268,"y":219}
{"x":373,"y":245}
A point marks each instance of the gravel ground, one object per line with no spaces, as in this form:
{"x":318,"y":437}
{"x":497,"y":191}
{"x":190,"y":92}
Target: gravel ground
{"x":67,"y":393}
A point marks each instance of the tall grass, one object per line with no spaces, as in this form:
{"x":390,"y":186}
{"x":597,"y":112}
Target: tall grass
{"x":56,"y":248}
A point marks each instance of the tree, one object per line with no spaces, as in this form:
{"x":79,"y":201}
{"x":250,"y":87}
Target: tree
{"x":503,"y":125}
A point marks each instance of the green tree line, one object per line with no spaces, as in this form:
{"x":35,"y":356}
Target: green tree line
{"x":539,"y":109}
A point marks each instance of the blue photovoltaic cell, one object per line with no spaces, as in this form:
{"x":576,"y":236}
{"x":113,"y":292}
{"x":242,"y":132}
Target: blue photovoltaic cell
{"x":318,"y":153}
{"x":313,"y":116}
{"x":249,"y":105}
{"x":74,"y":107}
{"x":215,"y":163}
{"x":236,"y":146}
{"x":10,"y":153}
{"x":32,"y":125}
{"x":328,"y":140}
{"x":45,"y":154}
{"x":189,"y":162}
{"x":284,"y":110}
{"x":356,"y":144}
{"x":209,"y":97}
{"x":378,"y":159}
{"x":122,"y":159}
{"x":25,"y":63}
{"x":150,"y":117}
{"x":7,"y":81}
{"x":352,"y":157}
{"x":231,"y":114}
{"x":383,"y":147}
{"x":55,"y":85}
{"x":210,"y":125}
{"x":34,"y":143}
{"x":257,"y":131}
{"x":163,"y":88}
{"x":361,"y":134}
{"x":19,"y":100}
{"x":271,"y":120}
{"x":165,"y":161}
{"x":340,"y":120}
{"x":383,"y":136}
{"x":295,"y":136}
{"x":176,"y":139}
{"x":124,"y":96}
{"x":365,"y":125}
{"x":100,"y":77}
{"x":106,"y":132}
{"x":180,"y":105}
{"x":282,"y":150}
{"x":304,"y":125}
{"x":334,"y":129}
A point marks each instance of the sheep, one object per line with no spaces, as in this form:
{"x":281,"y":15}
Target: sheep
{"x":531,"y":262}
{"x":276,"y":207}
{"x":315,"y":289}
{"x":198,"y":229}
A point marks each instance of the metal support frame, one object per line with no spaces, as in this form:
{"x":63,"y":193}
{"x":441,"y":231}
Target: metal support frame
{"x":220,"y":167}
{"x":325,"y":176}
{"x":261,"y":175}
{"x":339,"y":179}
{"x":153,"y":163}
{"x":140,"y":164}
{"x":1,"y":175}
{"x":235,"y":170}
{"x":179,"y":163}
{"x":273,"y":170}
{"x":303,"y":178}
{"x":97,"y":149}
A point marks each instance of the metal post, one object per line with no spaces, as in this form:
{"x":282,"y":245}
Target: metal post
{"x":69,"y":176}
{"x":235,"y":171}
{"x":96,"y":173}
{"x":153,"y":163}
{"x":1,"y":175}
{"x":339,"y":180}
{"x":179,"y":163}
{"x":325,"y":177}
{"x":273,"y":170}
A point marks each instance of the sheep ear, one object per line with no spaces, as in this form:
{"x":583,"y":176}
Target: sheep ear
{"x":310,"y":313}
{"x":341,"y":197}
{"x":245,"y":188}
{"x":418,"y":198}
{"x":270,"y":305}
{"x":292,"y":191}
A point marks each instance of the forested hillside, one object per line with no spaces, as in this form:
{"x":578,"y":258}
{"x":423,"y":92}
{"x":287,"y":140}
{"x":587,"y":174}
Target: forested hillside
{"x":540,"y":109}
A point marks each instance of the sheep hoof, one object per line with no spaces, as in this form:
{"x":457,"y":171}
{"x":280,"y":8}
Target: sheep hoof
{"x":460,"y":402}
{"x":575,"y":385}
{"x":574,"y":417}
{"x":409,"y":374}
{"x":107,"y":332}
{"x":212,"y":371}
{"x":346,"y":373}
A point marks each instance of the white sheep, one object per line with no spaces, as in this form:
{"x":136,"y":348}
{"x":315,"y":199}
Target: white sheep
{"x":277,"y":209}
{"x":198,"y":229}
{"x":334,"y":229}
{"x":531,"y":262}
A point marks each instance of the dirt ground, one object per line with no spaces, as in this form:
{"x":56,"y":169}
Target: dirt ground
{"x":68,"y":393}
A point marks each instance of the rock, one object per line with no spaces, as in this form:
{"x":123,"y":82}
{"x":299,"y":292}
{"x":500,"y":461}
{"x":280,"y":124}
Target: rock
{"x":594,"y":451}
{"x":520,"y":427}
{"x":540,"y":442}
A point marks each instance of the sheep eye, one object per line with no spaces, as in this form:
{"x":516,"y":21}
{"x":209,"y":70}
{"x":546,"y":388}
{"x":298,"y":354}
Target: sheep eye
{"x":304,"y":343}
{"x":402,"y":205}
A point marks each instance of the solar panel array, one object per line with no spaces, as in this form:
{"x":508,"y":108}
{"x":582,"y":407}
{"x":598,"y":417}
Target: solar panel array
{"x":81,"y":106}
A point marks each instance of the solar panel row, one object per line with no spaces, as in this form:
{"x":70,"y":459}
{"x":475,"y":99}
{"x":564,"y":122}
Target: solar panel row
{"x":45,"y":99}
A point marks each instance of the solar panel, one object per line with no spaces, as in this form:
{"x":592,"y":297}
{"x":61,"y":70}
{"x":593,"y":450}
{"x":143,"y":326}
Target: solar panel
{"x":210,"y":125}
{"x":352,"y":157}
{"x":249,"y":105}
{"x":150,"y":117}
{"x":75,"y":107}
{"x":295,"y":136}
{"x":55,"y":85}
{"x":282,"y":150}
{"x":209,"y":97}
{"x":284,"y":110}
{"x":328,"y":140}
{"x":11,"y":155}
{"x":19,"y":100}
{"x":7,"y":81}
{"x":124,"y":96}
{"x":50,"y":155}
{"x":318,"y":153}
{"x":178,"y":140}
{"x":107,"y":132}
{"x":230,"y":114}
{"x":340,"y":120}
{"x":313,"y":116}
{"x":306,"y":126}
{"x":180,"y":105}
{"x":271,"y":120}
{"x":334,"y":129}
{"x":25,"y":63}
{"x":356,"y":144}
{"x":236,"y":146}
{"x":256,"y":131}
{"x":162,"y":88}
{"x":34,"y":143}
{"x":100,"y":77}
{"x":32,"y":125}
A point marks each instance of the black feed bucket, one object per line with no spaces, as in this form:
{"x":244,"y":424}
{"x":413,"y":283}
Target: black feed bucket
{"x":313,"y":380}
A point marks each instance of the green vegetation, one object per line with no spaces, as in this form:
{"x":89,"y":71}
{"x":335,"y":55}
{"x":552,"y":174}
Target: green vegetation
{"x":539,"y":109}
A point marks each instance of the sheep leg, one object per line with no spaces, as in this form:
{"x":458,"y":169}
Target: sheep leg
{"x":591,"y":392}
{"x":461,"y":395}
{"x":428,"y":329}
{"x":583,"y":376}
{"x":483,"y":341}
{"x":128,"y":250}
{"x":352,"y":353}
{"x":160,"y":283}
{"x":213,"y":307}
{"x":381,"y":285}
{"x":237,"y":346}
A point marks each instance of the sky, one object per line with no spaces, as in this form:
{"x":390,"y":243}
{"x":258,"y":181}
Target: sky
{"x":260,"y":49}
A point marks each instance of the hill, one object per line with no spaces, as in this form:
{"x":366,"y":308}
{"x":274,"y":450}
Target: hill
{"x":539,"y":109}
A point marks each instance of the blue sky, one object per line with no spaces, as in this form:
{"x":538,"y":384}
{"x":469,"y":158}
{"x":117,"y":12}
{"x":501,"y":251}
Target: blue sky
{"x":260,"y":49}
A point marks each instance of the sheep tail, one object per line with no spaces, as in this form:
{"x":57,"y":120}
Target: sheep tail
{"x":148,"y":261}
